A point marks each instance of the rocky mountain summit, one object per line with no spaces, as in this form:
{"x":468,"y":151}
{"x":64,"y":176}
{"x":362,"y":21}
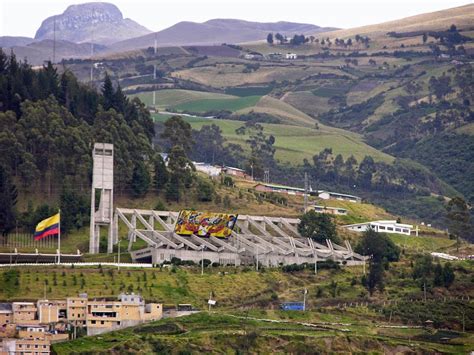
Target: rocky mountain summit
{"x":97,"y":22}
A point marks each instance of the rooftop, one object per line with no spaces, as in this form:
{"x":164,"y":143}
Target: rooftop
{"x":5,"y":307}
{"x":329,"y":208}
{"x":275,"y":186}
{"x":338,"y":194}
{"x":232,"y":168}
{"x":381,"y":222}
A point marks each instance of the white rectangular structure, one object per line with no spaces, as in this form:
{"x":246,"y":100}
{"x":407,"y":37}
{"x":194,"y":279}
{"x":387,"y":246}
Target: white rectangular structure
{"x":328,"y":195}
{"x":327,"y":210}
{"x":102,"y":187}
{"x":382,"y":226}
{"x":208,"y":169}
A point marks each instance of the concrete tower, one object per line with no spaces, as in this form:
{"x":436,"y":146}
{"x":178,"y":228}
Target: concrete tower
{"x":103,"y":189}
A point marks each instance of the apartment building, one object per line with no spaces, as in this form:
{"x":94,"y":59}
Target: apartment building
{"x":77,"y":310}
{"x":51,"y":311}
{"x":6,"y":314}
{"x":24,"y":312}
{"x":7,"y":327}
{"x":104,"y":315}
{"x":25,"y":347}
{"x":49,"y":319}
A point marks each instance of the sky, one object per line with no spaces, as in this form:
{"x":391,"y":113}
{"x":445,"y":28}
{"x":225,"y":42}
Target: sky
{"x":23,"y":17}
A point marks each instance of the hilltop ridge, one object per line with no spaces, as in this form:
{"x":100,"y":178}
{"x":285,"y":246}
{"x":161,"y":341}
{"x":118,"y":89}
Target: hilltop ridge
{"x":97,"y":22}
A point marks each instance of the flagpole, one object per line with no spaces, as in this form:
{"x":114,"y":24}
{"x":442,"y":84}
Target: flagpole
{"x":59,"y":237}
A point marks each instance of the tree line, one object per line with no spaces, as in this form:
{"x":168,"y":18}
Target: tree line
{"x":300,"y":39}
{"x":48,"y":124}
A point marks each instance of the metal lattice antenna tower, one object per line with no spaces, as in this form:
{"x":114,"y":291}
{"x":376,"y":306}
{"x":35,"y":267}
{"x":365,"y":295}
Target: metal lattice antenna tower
{"x":54,"y":40}
{"x":154,"y":76}
{"x":92,"y":49}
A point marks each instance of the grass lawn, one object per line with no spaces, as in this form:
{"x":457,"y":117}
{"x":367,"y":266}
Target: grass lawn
{"x":423,"y":243}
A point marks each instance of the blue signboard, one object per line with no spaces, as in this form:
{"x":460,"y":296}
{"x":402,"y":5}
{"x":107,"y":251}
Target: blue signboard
{"x":292,"y":306}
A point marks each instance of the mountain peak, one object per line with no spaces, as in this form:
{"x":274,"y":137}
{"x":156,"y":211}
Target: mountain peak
{"x":99,"y":22}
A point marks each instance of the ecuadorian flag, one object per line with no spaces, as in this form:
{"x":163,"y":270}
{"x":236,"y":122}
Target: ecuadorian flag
{"x":48,"y":226}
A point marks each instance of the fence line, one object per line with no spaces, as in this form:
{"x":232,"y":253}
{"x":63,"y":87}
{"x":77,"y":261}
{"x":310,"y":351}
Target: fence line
{"x":395,"y":302}
{"x":135,"y":265}
{"x":27,"y":240}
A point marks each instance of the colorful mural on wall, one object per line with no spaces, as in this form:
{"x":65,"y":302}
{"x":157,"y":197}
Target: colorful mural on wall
{"x":205,"y":224}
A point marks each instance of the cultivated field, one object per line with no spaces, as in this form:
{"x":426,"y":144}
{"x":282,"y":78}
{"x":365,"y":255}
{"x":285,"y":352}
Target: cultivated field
{"x":172,"y":98}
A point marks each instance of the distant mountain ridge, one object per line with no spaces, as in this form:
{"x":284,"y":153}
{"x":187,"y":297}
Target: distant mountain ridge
{"x":37,"y":52}
{"x":97,"y":22}
{"x":216,"y":31}
{"x":12,"y":41}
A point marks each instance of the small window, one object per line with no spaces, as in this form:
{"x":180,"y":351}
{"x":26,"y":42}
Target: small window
{"x":93,"y":322}
{"x":405,"y":230}
{"x":398,"y":230}
{"x":101,"y":322}
{"x":381,"y":227}
{"x":390,"y":228}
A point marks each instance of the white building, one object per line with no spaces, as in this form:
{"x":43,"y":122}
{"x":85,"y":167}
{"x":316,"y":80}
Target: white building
{"x":327,"y":195}
{"x":291,"y":56}
{"x":208,"y":169}
{"x":328,"y":210}
{"x":381,"y":226}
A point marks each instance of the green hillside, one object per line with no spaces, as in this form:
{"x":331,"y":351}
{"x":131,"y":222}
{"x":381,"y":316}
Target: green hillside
{"x":205,"y":105}
{"x":171,"y":98}
{"x":295,"y":143}
{"x":267,"y":332}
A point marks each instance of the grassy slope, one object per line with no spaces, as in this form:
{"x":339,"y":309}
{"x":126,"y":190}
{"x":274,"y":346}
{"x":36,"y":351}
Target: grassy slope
{"x":285,"y":112}
{"x":225,"y":75}
{"x":294,"y":143}
{"x":439,"y":20}
{"x":172,"y":98}
{"x":233,"y":104}
{"x":229,"y":333}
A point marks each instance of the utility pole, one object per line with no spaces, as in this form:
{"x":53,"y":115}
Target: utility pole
{"x":118,"y":256}
{"x":305,"y":192}
{"x":304,"y":299}
{"x":257,"y":259}
{"x":464,"y":320}
{"x":315,"y":263}
{"x":202,"y":260}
